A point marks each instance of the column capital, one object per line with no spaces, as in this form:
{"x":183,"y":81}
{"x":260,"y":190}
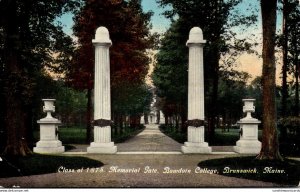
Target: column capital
{"x":102,"y":37}
{"x":195,"y":37}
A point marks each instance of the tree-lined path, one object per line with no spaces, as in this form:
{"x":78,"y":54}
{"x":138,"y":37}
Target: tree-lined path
{"x":150,"y":139}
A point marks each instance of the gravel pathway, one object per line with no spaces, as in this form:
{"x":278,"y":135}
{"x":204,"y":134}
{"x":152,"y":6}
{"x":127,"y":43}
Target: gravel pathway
{"x":151,"y":139}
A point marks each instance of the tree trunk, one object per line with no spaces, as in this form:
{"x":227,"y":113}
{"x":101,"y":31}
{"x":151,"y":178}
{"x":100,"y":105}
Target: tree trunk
{"x":214,"y":97}
{"x":146,"y":119}
{"x":15,"y":115}
{"x":89,"y":116}
{"x":2,"y":112}
{"x":15,"y":124}
{"x":214,"y":61}
{"x":295,"y":51}
{"x":183,"y":127}
{"x":270,"y":146}
{"x":284,"y":90}
{"x":2,"y":109}
{"x":157,"y":116}
{"x":166,"y":120}
{"x":176,"y":118}
{"x":296,"y":109}
{"x":118,"y":122}
{"x":132,"y":122}
{"x":30,"y":126}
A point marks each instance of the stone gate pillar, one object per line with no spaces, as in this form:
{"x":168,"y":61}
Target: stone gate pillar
{"x":102,"y":104}
{"x":195,"y":143}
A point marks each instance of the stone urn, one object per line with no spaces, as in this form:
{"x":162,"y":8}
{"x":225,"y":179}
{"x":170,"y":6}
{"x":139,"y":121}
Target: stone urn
{"x":248,"y":143}
{"x":49,"y":142}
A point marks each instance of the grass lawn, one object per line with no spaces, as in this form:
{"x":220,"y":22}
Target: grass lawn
{"x":173,"y":133}
{"x":228,"y":138}
{"x":68,"y":135}
{"x":77,"y":135}
{"x":222,"y":138}
{"x":285,"y":172}
{"x":41,"y":164}
{"x":127,"y":134}
{"x":74,"y":135}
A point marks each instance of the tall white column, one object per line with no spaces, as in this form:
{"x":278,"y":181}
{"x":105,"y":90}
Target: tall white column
{"x":195,"y":143}
{"x":102,"y":105}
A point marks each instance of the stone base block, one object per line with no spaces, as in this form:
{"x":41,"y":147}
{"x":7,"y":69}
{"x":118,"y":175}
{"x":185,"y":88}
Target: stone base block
{"x":247,"y":147}
{"x":104,"y":148}
{"x":190,"y":147}
{"x":49,"y":147}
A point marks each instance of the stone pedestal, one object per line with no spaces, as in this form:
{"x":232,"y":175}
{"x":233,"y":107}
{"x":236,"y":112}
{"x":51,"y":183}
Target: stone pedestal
{"x":49,"y":142}
{"x":102,"y":104}
{"x":248,"y":143}
{"x":195,"y":143}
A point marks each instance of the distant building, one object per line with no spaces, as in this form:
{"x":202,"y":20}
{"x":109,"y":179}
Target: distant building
{"x":155,"y":116}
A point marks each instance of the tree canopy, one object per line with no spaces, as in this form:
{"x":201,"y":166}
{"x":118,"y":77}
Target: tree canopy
{"x":216,"y":19}
{"x":129,"y":31}
{"x":289,"y":41}
{"x":30,"y":37}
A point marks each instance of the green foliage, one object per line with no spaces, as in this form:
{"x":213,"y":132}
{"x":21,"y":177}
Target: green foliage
{"x":170,"y":73}
{"x":290,"y":122}
{"x":70,"y":104}
{"x":293,"y":34}
{"x":127,"y":133}
{"x":77,"y":135}
{"x":131,"y":99}
{"x":40,"y":36}
{"x":72,"y":135}
{"x":289,"y":135}
{"x":31,"y":42}
{"x":217,"y":19}
{"x":232,"y":89}
{"x":41,"y":164}
{"x":255,"y":92}
{"x":289,"y":177}
{"x":67,"y":135}
{"x":172,"y":132}
{"x":225,"y":138}
{"x":289,"y":41}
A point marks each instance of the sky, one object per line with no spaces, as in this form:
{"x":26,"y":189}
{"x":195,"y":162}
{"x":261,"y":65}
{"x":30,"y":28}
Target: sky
{"x":248,"y":63}
{"x":159,"y":22}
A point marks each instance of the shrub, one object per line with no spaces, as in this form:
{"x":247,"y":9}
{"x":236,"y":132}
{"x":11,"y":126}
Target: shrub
{"x":289,"y":135}
{"x":291,"y":123}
